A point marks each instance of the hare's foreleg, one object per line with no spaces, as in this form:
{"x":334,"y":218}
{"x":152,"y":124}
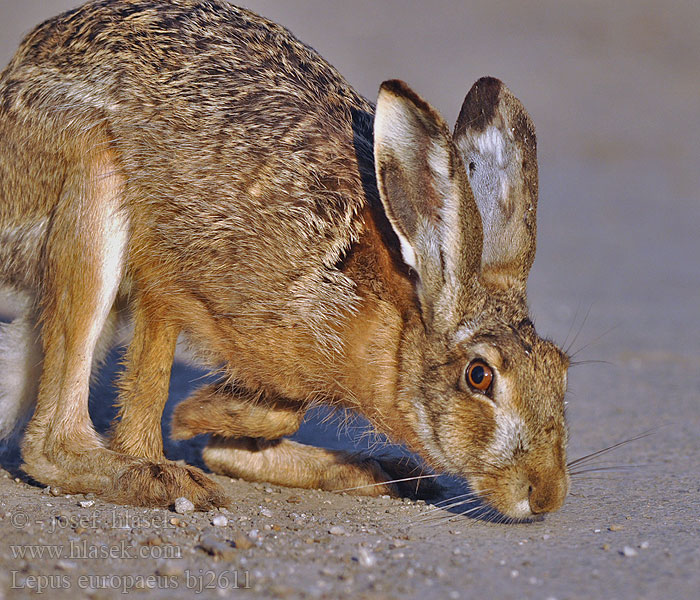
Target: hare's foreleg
{"x":137,"y":428}
{"x":231,"y":411}
{"x":289,"y":463}
{"x":247,"y":443}
{"x":143,"y":386}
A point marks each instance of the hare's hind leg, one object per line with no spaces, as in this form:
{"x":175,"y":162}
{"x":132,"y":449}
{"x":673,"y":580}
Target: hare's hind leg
{"x":81,"y":270}
{"x":247,"y":443}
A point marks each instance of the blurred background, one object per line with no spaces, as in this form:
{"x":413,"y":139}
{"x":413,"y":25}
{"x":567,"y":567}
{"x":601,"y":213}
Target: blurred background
{"x":614,"y":90}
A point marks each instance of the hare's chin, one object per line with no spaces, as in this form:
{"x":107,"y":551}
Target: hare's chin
{"x":521,"y":510}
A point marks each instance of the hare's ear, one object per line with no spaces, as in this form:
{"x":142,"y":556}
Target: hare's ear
{"x":425,"y":192}
{"x":496,"y":139}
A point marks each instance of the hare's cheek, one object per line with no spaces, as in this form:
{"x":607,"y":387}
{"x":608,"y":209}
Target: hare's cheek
{"x":463,"y":430}
{"x":510,"y":439}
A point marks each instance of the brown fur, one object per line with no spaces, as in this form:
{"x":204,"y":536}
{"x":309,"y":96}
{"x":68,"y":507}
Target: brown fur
{"x":200,"y":163}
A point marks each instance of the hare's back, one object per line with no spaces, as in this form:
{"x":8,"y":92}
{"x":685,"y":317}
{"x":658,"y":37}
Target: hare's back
{"x":223,"y":122}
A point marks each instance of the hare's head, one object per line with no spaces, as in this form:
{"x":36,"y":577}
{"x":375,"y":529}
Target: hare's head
{"x":486,"y":392}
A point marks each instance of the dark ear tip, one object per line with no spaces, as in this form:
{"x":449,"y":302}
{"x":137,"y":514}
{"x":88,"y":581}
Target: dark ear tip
{"x":479,"y":107}
{"x":487,"y":85}
{"x":401,"y":89}
{"x":395,"y":86}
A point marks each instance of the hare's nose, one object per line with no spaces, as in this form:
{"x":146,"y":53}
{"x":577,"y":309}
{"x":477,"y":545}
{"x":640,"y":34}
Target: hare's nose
{"x":548,"y":493}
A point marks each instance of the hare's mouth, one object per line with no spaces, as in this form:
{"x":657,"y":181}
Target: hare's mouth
{"x":519,"y":496}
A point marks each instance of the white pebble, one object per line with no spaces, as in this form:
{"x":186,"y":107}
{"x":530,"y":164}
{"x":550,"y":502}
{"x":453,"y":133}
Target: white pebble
{"x":644,"y":545}
{"x":219,"y":521}
{"x":183,"y":505}
{"x":265,"y":512}
{"x":366,"y":557}
{"x":86,"y":503}
{"x":629,"y":551}
{"x":337,"y":530}
{"x":514,"y":573}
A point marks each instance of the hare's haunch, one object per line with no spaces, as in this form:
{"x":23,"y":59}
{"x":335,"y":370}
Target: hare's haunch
{"x":199,"y":164}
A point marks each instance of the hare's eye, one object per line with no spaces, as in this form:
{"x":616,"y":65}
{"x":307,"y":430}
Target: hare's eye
{"x":479,"y":376}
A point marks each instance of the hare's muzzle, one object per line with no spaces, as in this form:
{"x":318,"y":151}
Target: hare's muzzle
{"x":546,"y":493}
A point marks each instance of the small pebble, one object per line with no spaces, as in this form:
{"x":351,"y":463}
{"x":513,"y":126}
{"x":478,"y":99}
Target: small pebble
{"x":294,"y":499}
{"x":366,"y":557}
{"x":628,"y":551}
{"x":243,"y":542}
{"x":615,"y":527}
{"x":154,"y":540}
{"x":217,"y":549}
{"x":644,"y":545}
{"x":219,"y":521}
{"x":514,"y":573}
{"x":86,"y":503}
{"x":183,"y":505}
{"x":169,"y":568}
{"x":66,"y":565}
{"x":337,"y":530}
{"x":265,"y":512}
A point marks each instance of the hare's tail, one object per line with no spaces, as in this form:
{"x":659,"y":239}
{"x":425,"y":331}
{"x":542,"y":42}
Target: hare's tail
{"x":20,"y":368}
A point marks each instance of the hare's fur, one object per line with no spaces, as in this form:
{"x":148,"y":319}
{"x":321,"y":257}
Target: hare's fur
{"x":198,"y":163}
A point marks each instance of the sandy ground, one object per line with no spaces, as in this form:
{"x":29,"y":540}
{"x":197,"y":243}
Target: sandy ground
{"x":614,"y":89}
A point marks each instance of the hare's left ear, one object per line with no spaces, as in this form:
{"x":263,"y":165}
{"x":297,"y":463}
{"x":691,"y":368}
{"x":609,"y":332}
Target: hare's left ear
{"x":496,"y":139}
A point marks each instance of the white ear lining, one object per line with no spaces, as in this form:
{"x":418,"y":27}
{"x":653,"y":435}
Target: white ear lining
{"x":407,"y":252}
{"x":449,"y":233}
{"x":492,"y":142}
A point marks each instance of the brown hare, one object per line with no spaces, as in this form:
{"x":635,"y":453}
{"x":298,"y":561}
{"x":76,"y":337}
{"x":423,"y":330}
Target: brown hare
{"x":197,"y":163}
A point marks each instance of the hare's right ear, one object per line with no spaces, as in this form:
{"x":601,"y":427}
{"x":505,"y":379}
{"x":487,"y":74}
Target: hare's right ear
{"x":424,"y":188}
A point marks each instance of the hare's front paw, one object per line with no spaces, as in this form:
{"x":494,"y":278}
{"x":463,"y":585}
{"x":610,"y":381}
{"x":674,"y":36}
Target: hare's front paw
{"x":407,"y":478}
{"x":160,"y":484}
{"x":289,"y":463}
